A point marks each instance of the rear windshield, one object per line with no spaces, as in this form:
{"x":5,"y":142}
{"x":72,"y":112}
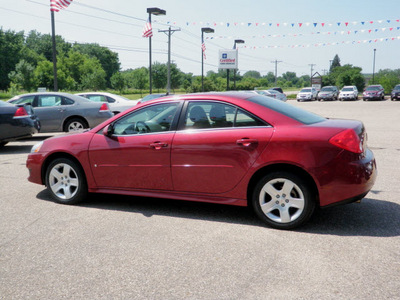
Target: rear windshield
{"x":288,"y":110}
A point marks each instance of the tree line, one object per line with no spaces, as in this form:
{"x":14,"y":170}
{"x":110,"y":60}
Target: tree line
{"x":26,"y":64}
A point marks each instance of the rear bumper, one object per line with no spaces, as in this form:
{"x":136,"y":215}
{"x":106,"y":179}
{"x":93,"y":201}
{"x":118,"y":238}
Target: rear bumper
{"x":353,"y":182}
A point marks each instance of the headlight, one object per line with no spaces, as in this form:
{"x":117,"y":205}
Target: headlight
{"x":36,"y":147}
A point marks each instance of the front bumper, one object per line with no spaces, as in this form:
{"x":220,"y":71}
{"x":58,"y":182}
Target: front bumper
{"x":372,"y":97}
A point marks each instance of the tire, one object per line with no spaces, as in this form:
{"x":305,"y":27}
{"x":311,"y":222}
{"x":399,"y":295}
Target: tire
{"x":66,"y":181}
{"x":283,"y":200}
{"x":75,"y":124}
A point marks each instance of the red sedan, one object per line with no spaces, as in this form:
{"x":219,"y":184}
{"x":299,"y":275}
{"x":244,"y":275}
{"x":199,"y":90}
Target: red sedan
{"x":232,"y":148}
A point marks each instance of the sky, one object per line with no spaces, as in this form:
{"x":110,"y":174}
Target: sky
{"x":301,"y":36}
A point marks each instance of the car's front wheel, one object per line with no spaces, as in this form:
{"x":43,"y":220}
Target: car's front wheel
{"x":283,"y":200}
{"x":65,"y":181}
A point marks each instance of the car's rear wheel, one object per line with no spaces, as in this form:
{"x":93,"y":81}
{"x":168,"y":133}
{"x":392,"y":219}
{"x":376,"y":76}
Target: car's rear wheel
{"x":75,"y":124}
{"x":65,"y":181}
{"x":283,"y":200}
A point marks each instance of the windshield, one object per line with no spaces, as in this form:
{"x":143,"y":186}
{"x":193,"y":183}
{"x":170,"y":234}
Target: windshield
{"x":305,"y":91}
{"x":397,"y":88}
{"x":373,"y":88}
{"x":327,"y":89}
{"x":288,"y":110}
{"x":347,"y":89}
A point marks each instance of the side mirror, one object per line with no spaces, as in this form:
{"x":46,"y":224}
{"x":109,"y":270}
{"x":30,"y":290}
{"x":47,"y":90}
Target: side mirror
{"x":108,"y":130}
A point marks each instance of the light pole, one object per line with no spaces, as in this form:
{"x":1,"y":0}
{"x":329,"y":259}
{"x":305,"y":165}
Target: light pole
{"x":206,"y":30}
{"x":234,"y":71}
{"x":373,"y":70}
{"x":157,"y":12}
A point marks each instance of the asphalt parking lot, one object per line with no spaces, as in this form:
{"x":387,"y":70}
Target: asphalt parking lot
{"x":116,"y":247}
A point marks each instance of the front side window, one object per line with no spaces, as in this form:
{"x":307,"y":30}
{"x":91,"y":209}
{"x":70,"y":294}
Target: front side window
{"x":151,"y":119}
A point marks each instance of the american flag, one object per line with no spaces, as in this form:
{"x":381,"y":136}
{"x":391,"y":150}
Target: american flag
{"x":57,"y":5}
{"x":203,"y":48}
{"x":147,"y":30}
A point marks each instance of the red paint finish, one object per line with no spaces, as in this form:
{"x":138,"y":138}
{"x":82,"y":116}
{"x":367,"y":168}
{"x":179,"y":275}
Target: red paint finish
{"x":216,"y":164}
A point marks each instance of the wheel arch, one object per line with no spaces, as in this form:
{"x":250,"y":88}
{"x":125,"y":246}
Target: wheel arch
{"x":56,"y":155}
{"x":281,"y":167}
{"x":74,"y":117}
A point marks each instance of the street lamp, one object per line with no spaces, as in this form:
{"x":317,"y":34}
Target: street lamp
{"x":203,"y":30}
{"x":234,"y":71}
{"x":157,"y":12}
{"x":373,"y":70}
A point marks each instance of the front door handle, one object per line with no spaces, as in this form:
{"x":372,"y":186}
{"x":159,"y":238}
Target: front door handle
{"x":158,"y":145}
{"x":246,"y":142}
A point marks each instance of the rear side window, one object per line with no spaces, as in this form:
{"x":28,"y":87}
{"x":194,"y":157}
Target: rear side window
{"x":288,"y":110}
{"x":26,"y":99}
{"x":206,"y":114}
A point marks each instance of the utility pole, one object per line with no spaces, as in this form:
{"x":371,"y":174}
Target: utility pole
{"x":169,"y":32}
{"x":324,"y":70}
{"x":373,"y":70}
{"x":276,"y":68}
{"x":311,"y":65}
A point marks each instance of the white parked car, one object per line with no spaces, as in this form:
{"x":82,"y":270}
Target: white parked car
{"x":349,"y":92}
{"x":307,"y":94}
{"x":116,"y":103}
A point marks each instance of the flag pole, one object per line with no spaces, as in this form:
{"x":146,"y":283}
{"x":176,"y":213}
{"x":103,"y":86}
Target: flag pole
{"x":53,"y":30}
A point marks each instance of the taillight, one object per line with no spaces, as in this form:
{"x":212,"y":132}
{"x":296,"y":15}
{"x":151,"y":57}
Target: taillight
{"x":348,"y":140}
{"x":20,"y":113}
{"x":104,"y":107}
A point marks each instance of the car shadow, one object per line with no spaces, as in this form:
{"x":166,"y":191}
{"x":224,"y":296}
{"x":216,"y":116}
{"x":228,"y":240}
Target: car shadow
{"x":19,"y":147}
{"x":15,"y":149}
{"x":374,"y":218}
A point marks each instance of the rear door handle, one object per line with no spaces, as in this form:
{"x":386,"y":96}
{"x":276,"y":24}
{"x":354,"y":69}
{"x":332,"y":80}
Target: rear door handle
{"x":246,"y":142}
{"x":158,"y":145}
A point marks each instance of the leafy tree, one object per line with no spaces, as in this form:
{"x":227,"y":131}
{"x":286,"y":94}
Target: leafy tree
{"x":23,"y":76}
{"x":290,"y":77}
{"x":270,"y":77}
{"x":42,"y":44}
{"x":176,"y":76}
{"x":159,"y":75}
{"x":108,"y":59}
{"x":72,"y":64}
{"x":335,"y":63}
{"x":44,"y":74}
{"x":118,"y":81}
{"x":141,"y":79}
{"x":252,"y":74}
{"x":347,"y":75}
{"x":247,"y":83}
{"x":11,"y":44}
{"x":388,"y":78}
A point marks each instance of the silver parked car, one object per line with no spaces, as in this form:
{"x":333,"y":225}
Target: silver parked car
{"x":117,"y":103}
{"x":349,"y":92}
{"x":307,"y":94}
{"x":64,"y":112}
{"x":328,"y":93}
